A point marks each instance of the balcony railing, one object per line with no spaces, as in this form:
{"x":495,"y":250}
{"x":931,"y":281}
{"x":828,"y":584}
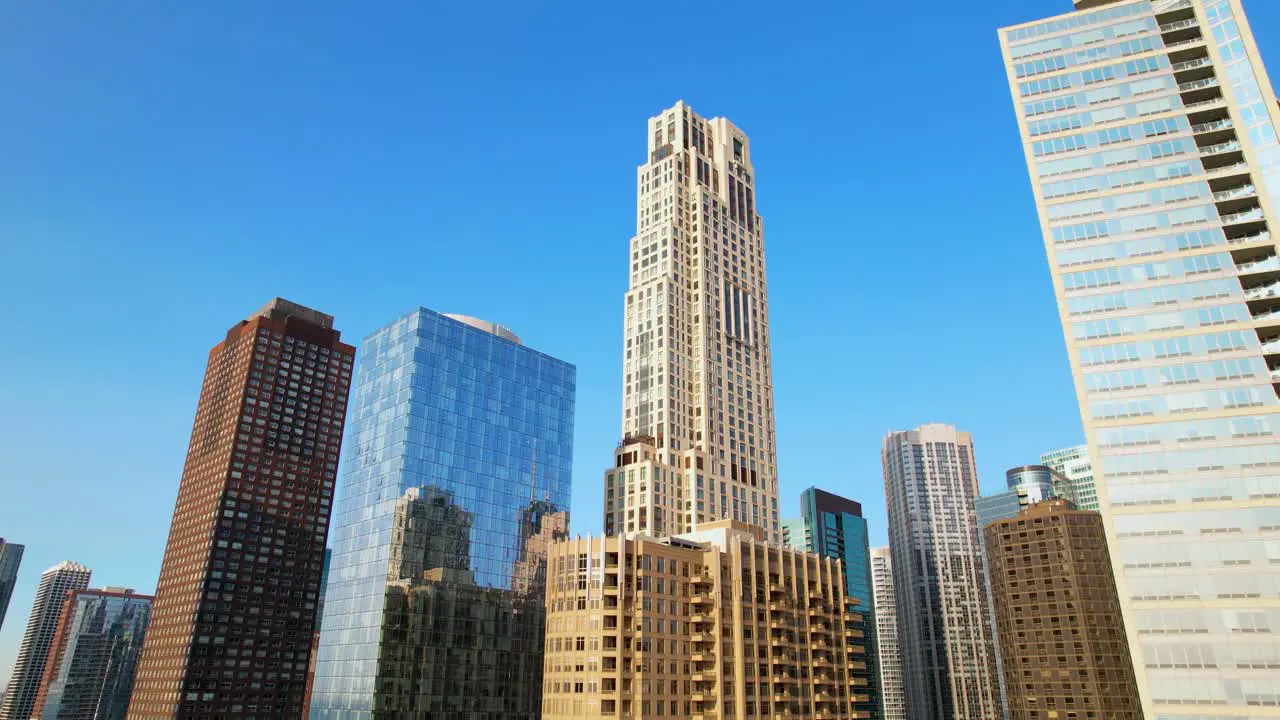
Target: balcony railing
{"x":1267,"y":265}
{"x":1236,"y":192}
{"x":1179,"y":25}
{"x":1263,"y":291}
{"x":1229,"y":146}
{"x":1164,"y":6}
{"x":1268,"y":316}
{"x":1275,"y":374}
{"x":1198,"y":84}
{"x":1212,"y":126}
{"x":1228,"y":169}
{"x":1202,"y":103}
{"x":1256,"y":237}
{"x":1243,"y":216}
{"x":1192,"y":64}
{"x":1271,"y":346}
{"x":1180,"y":43}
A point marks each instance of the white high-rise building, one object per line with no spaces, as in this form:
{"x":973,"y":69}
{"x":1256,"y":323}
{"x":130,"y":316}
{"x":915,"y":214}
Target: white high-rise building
{"x":944,"y":625}
{"x":1150,"y":133}
{"x":1074,"y":466}
{"x":697,"y":414}
{"x":34,"y":650}
{"x":890,"y":655}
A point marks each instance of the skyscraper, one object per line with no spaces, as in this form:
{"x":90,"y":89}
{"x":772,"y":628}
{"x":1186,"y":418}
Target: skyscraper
{"x":94,"y":656}
{"x":715,"y":623}
{"x":889,"y":658}
{"x":230,"y":635}
{"x":1149,"y":129}
{"x":833,"y":526}
{"x":458,"y":480}
{"x":10,"y":560}
{"x":1061,"y":637}
{"x":33,"y":653}
{"x":944,"y":631}
{"x":697,"y":412}
{"x":1073,"y":464}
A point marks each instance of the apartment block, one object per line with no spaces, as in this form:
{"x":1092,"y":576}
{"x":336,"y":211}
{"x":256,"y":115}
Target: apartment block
{"x":889,"y":655}
{"x":717,"y":623}
{"x":95,"y":652}
{"x":944,"y":627}
{"x":235,"y":607}
{"x":1062,"y":639}
{"x":42,"y":626}
{"x":1150,"y":134}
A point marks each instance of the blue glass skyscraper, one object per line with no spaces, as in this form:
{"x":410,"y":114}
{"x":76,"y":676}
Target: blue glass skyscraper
{"x":833,"y":526}
{"x":459,"y":456}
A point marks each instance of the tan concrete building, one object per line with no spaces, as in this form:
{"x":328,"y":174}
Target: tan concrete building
{"x":1150,"y":133}
{"x":697,"y":413}
{"x":1058,"y":618}
{"x":712,"y":624}
{"x":886,"y":606}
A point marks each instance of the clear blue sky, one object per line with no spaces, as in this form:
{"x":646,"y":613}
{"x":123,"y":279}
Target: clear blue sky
{"x":165,"y":168}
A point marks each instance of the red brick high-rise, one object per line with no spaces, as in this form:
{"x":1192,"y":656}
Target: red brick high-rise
{"x":231,"y":628}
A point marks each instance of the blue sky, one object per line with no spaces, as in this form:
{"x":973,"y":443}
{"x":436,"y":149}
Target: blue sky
{"x":165,"y":168}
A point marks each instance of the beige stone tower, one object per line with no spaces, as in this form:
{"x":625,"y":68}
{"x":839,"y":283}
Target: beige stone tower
{"x":697,"y":418}
{"x":1150,"y":134}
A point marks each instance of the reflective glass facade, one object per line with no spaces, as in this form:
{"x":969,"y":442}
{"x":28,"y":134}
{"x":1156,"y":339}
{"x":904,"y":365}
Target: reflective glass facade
{"x":10,"y":559}
{"x":836,"y":529}
{"x":1150,"y":134}
{"x":1073,"y":464}
{"x":457,"y":479}
{"x":95,"y":654}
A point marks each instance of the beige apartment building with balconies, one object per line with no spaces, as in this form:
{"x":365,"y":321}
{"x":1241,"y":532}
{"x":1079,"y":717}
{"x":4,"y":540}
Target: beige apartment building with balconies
{"x":714,"y":624}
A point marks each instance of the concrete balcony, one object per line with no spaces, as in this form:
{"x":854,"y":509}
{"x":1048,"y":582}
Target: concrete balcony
{"x":1226,"y":147}
{"x":1235,"y":192}
{"x":1242,"y":216}
{"x":1214,"y":126}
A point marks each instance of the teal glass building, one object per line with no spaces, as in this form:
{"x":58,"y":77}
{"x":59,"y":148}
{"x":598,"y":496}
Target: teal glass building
{"x":833,"y":526}
{"x":457,"y":477}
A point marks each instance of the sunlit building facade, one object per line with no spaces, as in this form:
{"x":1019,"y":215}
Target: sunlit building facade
{"x":889,"y":654}
{"x":458,"y":480}
{"x":1150,"y":135}
{"x":697,"y":412}
{"x":716,"y":623}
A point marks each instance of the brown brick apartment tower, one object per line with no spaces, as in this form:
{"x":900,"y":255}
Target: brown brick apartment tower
{"x":230,"y":633}
{"x":1058,"y":616}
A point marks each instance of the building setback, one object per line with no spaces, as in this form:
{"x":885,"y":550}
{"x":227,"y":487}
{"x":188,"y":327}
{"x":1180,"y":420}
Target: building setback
{"x":712,"y":624}
{"x":1061,"y":634}
{"x":697,"y":406}
{"x":230,"y":632}
{"x":42,"y":625}
{"x":892,"y":695}
{"x":458,"y":480}
{"x":95,"y":652}
{"x":10,"y":560}
{"x":1150,"y":134}
{"x":944,"y":629}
